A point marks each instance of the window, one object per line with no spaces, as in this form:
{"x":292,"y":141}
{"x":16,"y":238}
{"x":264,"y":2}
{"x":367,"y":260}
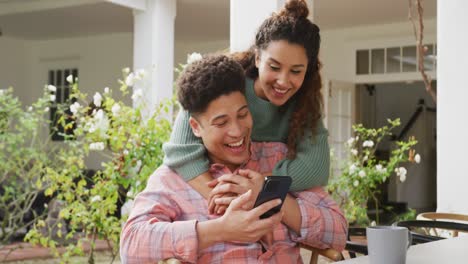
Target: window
{"x":393,"y":60}
{"x":57,"y":77}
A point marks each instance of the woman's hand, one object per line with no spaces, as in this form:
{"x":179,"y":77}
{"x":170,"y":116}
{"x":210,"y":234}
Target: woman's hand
{"x":229,"y":186}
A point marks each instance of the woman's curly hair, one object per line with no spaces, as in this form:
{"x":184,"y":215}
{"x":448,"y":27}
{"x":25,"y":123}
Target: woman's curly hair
{"x":291,"y":24}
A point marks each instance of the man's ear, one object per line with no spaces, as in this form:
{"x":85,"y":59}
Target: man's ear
{"x":195,"y":126}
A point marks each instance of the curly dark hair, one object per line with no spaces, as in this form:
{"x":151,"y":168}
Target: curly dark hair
{"x":291,"y":24}
{"x":207,"y":79}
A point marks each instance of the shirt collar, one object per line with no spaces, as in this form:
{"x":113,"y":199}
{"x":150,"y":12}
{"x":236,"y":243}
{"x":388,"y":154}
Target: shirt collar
{"x":218,"y":169}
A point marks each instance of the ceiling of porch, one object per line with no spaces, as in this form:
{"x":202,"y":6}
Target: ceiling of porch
{"x":196,"y":19}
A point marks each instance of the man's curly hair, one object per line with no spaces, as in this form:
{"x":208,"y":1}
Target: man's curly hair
{"x":205,"y":80}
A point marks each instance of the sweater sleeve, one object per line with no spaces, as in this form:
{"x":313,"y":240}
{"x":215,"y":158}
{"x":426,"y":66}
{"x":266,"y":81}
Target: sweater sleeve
{"x":185,"y":153}
{"x":311,"y":167}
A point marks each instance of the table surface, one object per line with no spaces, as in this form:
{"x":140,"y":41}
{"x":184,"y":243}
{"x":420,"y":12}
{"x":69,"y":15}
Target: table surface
{"x":451,"y":250}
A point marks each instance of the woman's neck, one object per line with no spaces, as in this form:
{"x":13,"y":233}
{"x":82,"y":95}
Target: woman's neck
{"x":258,"y":90}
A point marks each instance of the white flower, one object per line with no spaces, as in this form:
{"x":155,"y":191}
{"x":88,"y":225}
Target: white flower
{"x":402,"y":178}
{"x":51,"y":88}
{"x":46,"y":205}
{"x":96,"y":146}
{"x":100,"y":122}
{"x":193,"y":57}
{"x":368,"y":143}
{"x":352,"y":168}
{"x":52,"y":97}
{"x":2,"y":91}
{"x":373,"y":223}
{"x":365,"y":158}
{"x":75,"y":107}
{"x":362,"y":174}
{"x":70,"y":78}
{"x":30,"y":108}
{"x":97,"y":99}
{"x":46,"y":109}
{"x":106,"y":90}
{"x":380,"y":169}
{"x":130,"y":80}
{"x":350,"y":141}
{"x":90,"y":127}
{"x":401,"y":171}
{"x":126,"y":70}
{"x":115,"y":109}
{"x":99,"y":115}
{"x":96,"y":198}
{"x":417,"y":158}
{"x":140,"y":74}
{"x":354,"y":152}
{"x":137,"y":94}
{"x":356,"y":183}
{"x":125,"y":152}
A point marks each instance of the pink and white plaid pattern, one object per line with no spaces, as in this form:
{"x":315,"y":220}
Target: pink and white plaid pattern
{"x":163,"y":220}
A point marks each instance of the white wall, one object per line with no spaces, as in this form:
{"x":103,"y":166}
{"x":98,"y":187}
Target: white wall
{"x":338,"y":46}
{"x":13,"y":65}
{"x":100,"y":59}
{"x":183,"y":48}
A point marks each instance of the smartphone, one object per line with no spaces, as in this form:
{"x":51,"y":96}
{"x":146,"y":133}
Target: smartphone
{"x":274,"y":187}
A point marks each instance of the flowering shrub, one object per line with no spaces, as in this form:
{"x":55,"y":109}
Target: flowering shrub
{"x":131,"y":148}
{"x":26,"y":156}
{"x":363,"y":173}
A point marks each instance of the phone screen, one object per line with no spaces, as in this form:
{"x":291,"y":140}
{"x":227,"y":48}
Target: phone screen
{"x":274,"y":187}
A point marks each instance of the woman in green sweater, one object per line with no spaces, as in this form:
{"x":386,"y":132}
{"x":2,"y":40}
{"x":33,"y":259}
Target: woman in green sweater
{"x":283,"y":93}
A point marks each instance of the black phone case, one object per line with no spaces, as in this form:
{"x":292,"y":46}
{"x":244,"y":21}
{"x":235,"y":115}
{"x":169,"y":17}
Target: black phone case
{"x":274,"y":187}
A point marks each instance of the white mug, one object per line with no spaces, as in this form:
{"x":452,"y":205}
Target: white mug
{"x":388,"y":244}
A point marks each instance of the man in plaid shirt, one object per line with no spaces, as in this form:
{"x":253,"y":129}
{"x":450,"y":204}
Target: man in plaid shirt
{"x":171,"y":220}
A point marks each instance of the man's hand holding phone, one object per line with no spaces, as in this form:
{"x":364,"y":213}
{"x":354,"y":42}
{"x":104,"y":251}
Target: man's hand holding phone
{"x":239,"y":224}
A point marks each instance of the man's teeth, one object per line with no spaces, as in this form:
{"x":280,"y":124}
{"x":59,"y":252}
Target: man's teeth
{"x":236,"y":144}
{"x":281,"y":91}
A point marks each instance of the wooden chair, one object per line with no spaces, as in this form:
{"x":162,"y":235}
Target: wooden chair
{"x":329,"y":253}
{"x":449,"y":217}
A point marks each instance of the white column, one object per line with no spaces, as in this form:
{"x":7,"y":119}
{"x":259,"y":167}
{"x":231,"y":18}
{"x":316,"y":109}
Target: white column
{"x":246,"y":17}
{"x":153,"y":50}
{"x":452,"y":111}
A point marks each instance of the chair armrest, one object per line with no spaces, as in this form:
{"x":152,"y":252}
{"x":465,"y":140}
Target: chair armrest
{"x":329,"y":253}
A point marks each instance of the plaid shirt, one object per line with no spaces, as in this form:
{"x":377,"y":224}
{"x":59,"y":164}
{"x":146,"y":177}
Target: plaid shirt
{"x":162,"y":223}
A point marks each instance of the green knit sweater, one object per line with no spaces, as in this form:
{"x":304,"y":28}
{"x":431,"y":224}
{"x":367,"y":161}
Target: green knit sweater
{"x":186,"y":154}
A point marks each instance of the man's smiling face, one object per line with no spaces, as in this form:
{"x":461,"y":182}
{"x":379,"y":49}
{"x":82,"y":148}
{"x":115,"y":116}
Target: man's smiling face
{"x":225,"y":127}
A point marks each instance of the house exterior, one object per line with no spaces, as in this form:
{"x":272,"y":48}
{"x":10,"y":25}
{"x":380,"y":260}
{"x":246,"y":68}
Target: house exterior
{"x":100,"y":37}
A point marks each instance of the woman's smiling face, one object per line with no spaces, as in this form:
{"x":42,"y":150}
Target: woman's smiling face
{"x":281,"y":70}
